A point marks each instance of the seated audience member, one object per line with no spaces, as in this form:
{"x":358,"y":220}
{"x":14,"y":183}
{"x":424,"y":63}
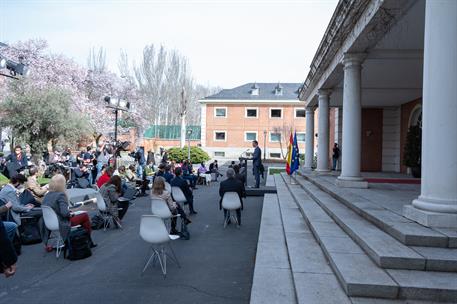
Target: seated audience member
{"x":83,"y":176}
{"x":120,"y":171}
{"x":111,"y":191}
{"x":8,"y":257}
{"x":187,"y":173}
{"x":204,"y":172}
{"x":9,"y":195}
{"x":178,"y":181}
{"x":105,"y":177}
{"x":34,"y":187}
{"x":130,"y":174}
{"x":238,"y":175}
{"x":231,"y":184}
{"x":214,"y":168}
{"x":57,"y":199}
{"x":232,"y":164}
{"x":159,"y":192}
{"x":10,"y":227}
{"x":16,"y":161}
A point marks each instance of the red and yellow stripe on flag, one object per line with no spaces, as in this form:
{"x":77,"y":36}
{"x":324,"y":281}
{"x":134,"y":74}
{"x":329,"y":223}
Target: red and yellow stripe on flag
{"x":289,"y":153}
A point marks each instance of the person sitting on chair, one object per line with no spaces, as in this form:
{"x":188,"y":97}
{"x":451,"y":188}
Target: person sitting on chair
{"x":178,"y":181}
{"x":231,"y":184}
{"x":188,"y":174}
{"x":34,"y":187}
{"x":9,"y":194}
{"x":204,"y":173}
{"x":159,"y":192}
{"x":214,"y":168}
{"x":111,"y":191}
{"x":105,"y":177}
{"x":57,"y":199}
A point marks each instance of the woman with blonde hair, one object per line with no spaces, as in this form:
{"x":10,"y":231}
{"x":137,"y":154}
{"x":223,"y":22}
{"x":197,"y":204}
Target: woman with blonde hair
{"x":159,"y":192}
{"x":57,"y":199}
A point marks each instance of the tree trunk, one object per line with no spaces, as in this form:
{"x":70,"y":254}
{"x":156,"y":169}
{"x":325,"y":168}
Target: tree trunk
{"x":183,"y":130}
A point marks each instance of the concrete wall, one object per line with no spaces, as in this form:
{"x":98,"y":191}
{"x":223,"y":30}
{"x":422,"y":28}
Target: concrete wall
{"x":391,"y":139}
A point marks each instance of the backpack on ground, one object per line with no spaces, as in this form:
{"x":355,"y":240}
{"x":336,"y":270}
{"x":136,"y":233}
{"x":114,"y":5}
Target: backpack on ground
{"x":77,"y":245}
{"x":30,"y":230}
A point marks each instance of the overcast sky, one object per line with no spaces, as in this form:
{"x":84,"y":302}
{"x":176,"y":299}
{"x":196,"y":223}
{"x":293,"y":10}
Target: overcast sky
{"x":227,"y":42}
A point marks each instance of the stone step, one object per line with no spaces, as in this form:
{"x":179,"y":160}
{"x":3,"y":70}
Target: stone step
{"x":273,"y":280}
{"x":356,"y":272}
{"x":404,"y":230}
{"x":313,"y":277}
{"x":386,"y":251}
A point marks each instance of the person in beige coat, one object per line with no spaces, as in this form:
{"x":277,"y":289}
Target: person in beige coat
{"x":34,"y":187}
{"x":159,"y":192}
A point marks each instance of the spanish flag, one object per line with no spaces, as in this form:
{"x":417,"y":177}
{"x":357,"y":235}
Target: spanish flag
{"x":293,"y":160}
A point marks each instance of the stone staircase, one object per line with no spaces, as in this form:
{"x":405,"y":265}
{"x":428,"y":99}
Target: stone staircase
{"x":321,"y":250}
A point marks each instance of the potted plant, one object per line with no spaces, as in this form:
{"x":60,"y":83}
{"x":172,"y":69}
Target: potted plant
{"x":412,"y":152}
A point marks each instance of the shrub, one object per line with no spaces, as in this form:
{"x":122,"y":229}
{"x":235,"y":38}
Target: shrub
{"x":197,"y":155}
{"x":412,"y":152}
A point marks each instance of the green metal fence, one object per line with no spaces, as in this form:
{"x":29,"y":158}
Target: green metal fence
{"x":171,"y":132}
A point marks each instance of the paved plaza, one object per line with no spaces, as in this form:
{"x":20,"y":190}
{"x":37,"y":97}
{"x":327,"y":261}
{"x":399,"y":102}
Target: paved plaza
{"x":217,"y":263}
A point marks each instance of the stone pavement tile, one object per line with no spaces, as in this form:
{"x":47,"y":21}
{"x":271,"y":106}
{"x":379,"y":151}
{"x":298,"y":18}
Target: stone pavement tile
{"x":340,"y":244}
{"x":295,"y":223}
{"x":318,"y":288}
{"x":272,"y":286}
{"x":451,"y":234}
{"x":272,"y":254}
{"x":313,"y":212}
{"x":356,"y":300}
{"x":361,"y":277}
{"x":439,"y":259}
{"x":305,"y":254}
{"x":365,"y":205}
{"x":426,"y":285}
{"x":415,"y":234}
{"x":327,"y":229}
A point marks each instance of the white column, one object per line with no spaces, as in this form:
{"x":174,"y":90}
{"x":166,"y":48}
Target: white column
{"x":437,"y":204}
{"x":323,"y":132}
{"x":309,"y":140}
{"x":352,"y":123}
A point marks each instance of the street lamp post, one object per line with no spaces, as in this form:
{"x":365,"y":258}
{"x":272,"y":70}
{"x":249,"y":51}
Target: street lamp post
{"x":189,"y":133}
{"x":117,"y":105}
{"x":264,"y":144}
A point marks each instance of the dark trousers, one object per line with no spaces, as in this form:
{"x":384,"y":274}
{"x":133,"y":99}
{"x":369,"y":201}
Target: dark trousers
{"x":191,"y":204}
{"x":238,"y":215}
{"x":179,"y":210}
{"x":192,"y":179}
{"x":256,"y":172}
{"x":123,"y":211}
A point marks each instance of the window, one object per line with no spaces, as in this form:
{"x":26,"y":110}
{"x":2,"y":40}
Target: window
{"x":300,"y":113}
{"x":220,"y":112}
{"x":275,"y":137}
{"x":275,"y":113}
{"x":275,"y":155}
{"x":251,"y":112}
{"x":219,"y":154}
{"x":301,"y":137}
{"x":250,"y":136}
{"x":220,"y":135}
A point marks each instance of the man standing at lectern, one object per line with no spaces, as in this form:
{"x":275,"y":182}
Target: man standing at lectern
{"x":256,"y":162}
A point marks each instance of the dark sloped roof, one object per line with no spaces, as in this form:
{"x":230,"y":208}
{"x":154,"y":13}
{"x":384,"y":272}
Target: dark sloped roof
{"x":266,"y":92}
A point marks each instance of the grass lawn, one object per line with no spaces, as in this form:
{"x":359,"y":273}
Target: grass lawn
{"x":43,"y":181}
{"x":277,"y":170}
{"x":3,"y":180}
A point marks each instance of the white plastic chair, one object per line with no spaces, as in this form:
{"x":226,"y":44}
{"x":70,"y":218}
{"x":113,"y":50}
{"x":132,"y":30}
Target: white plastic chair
{"x":52,"y":223}
{"x":231,"y":202}
{"x":160,"y":208}
{"x":153,"y":231}
{"x":179,"y":196}
{"x":108,"y":219}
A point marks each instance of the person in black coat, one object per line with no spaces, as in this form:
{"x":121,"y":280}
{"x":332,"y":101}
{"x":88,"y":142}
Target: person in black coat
{"x":256,"y":162}
{"x":8,"y":257}
{"x":178,"y":181}
{"x":231,"y":184}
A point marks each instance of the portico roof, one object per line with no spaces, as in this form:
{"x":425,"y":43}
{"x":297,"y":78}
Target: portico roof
{"x":390,"y":36}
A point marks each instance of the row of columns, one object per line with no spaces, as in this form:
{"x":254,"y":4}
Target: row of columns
{"x":437,"y":204}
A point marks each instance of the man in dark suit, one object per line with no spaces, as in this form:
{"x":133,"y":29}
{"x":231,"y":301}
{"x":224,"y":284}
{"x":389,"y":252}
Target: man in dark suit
{"x":256,"y":162}
{"x":178,"y":181}
{"x":231,"y":184}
